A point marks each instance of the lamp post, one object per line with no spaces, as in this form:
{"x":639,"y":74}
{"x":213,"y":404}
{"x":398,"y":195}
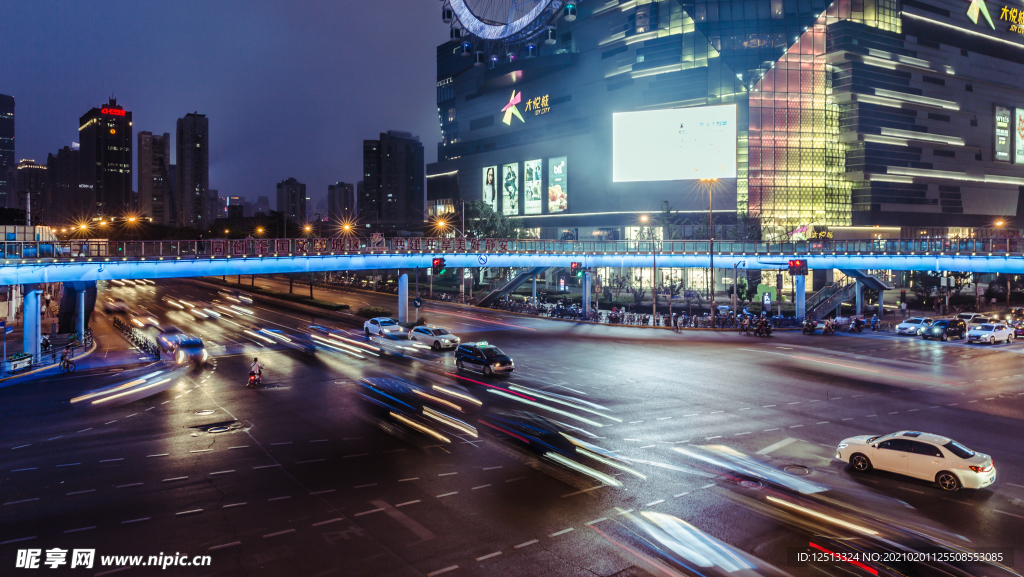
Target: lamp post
{"x":441,"y":226}
{"x":709,"y":182}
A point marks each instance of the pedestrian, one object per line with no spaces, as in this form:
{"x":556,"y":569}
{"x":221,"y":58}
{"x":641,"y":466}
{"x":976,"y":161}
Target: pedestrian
{"x":46,"y":299}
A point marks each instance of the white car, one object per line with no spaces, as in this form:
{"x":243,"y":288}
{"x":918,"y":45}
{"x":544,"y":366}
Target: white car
{"x":990,"y":333}
{"x":116,"y":305}
{"x":383,"y":326}
{"x":436,"y":337}
{"x":912,"y":326}
{"x":921,"y":455}
{"x":971,"y":318}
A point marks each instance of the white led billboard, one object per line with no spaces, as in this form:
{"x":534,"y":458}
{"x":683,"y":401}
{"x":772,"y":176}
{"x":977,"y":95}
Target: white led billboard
{"x":674,"y":144}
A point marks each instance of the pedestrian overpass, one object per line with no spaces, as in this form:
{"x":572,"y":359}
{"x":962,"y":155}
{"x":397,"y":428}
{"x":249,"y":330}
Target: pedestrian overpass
{"x":86,"y":261}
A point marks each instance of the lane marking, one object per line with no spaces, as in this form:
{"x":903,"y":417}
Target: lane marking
{"x":233,"y":505}
{"x":279,"y":498}
{"x":488,"y":556}
{"x":328,"y":522}
{"x":776,"y":446}
{"x":448,"y":494}
{"x":653,"y":503}
{"x":82,"y":492}
{"x":222,"y":472}
{"x":527,"y":544}
{"x":596,"y":521}
{"x":112,"y":460}
{"x":135,"y":520}
{"x":368,"y":512}
{"x":407,"y":503}
{"x":285,"y":532}
{"x":128,"y":485}
{"x":480,"y":487}
{"x":309,"y":461}
{"x":174,"y":479}
{"x":445,"y":570}
{"x":81,"y":529}
{"x":190,"y":512}
{"x":21,"y":501}
{"x":562,"y":532}
{"x":225,"y":545}
{"x":409,"y":479}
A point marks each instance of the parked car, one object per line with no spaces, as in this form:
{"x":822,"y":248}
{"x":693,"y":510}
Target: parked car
{"x":945,"y":329}
{"x":990,"y":333}
{"x":925,"y":456}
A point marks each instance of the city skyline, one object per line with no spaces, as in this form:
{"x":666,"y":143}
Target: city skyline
{"x":267,"y":64}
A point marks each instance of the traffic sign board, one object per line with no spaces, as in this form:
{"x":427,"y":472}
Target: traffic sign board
{"x":766,"y":300}
{"x":417,"y":303}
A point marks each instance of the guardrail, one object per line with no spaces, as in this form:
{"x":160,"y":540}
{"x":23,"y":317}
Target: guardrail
{"x":137,"y":338}
{"x":161,"y":250}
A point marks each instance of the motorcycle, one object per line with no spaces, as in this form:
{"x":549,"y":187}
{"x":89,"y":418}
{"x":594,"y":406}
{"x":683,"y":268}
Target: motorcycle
{"x":254,"y":379}
{"x":809,"y":327}
{"x":763,"y":330}
{"x":857,"y":326}
{"x":830,"y":329}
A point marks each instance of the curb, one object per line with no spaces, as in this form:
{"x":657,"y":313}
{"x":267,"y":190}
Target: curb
{"x":41,"y":369}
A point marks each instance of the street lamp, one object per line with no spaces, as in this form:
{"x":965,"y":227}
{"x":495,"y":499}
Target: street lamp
{"x":710,"y":182}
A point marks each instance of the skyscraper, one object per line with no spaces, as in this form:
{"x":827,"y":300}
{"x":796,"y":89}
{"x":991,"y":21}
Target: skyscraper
{"x":291,"y":199}
{"x":262,"y":205}
{"x":393,"y":174}
{"x":341,"y":202}
{"x":193,"y":165}
{"x":156,"y":199}
{"x":61,"y":196}
{"x":28,"y":179}
{"x":6,"y":144}
{"x":105,"y":135}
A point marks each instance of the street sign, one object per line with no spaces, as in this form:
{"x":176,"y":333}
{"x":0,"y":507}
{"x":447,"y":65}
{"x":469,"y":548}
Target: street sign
{"x":766,"y":300}
{"x":417,"y":303}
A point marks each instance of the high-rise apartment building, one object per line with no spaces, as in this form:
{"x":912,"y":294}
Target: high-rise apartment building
{"x":62,"y":193}
{"x":393,"y":175}
{"x":156,"y":198}
{"x":105,"y":135}
{"x":193,"y":168}
{"x":291,"y":199}
{"x":341,"y":202}
{"x":6,"y":144}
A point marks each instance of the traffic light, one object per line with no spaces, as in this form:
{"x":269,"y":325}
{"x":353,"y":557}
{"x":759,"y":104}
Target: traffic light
{"x":576,"y":269}
{"x":438,"y":266}
{"x":798,"y":267}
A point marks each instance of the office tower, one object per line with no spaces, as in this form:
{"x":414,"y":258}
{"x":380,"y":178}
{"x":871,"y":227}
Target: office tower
{"x":62,"y":198}
{"x":262,"y":205}
{"x":105,"y":135}
{"x":156,"y":198}
{"x":28,"y":180}
{"x":393,"y":195}
{"x":341,"y":202}
{"x":6,"y":145}
{"x":291,"y":199}
{"x":195,"y":209}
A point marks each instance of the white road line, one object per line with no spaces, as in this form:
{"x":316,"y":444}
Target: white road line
{"x":776,"y":446}
{"x":57,"y":437}
{"x":365,"y":486}
{"x":715,"y":437}
{"x":527,"y":544}
{"x":279,"y":498}
{"x":767,"y":406}
{"x":318,"y":441}
{"x":22,"y":501}
{"x":128,"y":485}
{"x":78,"y":530}
{"x":81,"y":492}
{"x":267,"y":466}
{"x":68,"y":465}
{"x":201,"y":451}
{"x":328,"y":522}
{"x":109,"y":422}
{"x":239,"y":447}
{"x":446,"y":474}
{"x":407,"y":503}
{"x":514,"y":479}
{"x":821,"y":423}
{"x":222,"y":472}
{"x":596,"y":521}
{"x":324,"y":492}
{"x":653,"y":503}
{"x":233,"y":505}
{"x":648,"y":446}
{"x":738,"y":434}
{"x":445,"y":570}
{"x":276,"y":444}
{"x":491,"y":468}
{"x":112,"y":460}
{"x":225,"y":545}
{"x":663,"y":418}
{"x":1010,"y":514}
{"x":174,"y":479}
{"x":309,"y":461}
{"x":368,"y":512}
{"x":562,"y":532}
{"x":190,"y":512}
{"x":448,"y":494}
{"x":488,"y":556}
{"x":17,"y":540}
{"x":359,"y":455}
{"x":135,"y":520}
{"x":160,"y":455}
{"x":681,"y":494}
{"x":692,"y":415}
{"x":26,"y":469}
{"x":767,"y":430}
{"x":285,"y":532}
{"x":480,"y":487}
{"x":409,"y":479}
{"x":1016,"y":485}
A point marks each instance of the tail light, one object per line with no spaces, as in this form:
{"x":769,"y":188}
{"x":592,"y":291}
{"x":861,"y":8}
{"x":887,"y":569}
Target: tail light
{"x":982,"y":469}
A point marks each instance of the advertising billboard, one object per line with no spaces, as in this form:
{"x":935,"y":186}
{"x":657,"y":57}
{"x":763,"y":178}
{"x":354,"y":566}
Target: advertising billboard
{"x":510,"y":189}
{"x":1018,"y":138}
{"x":1002,"y":133}
{"x":490,"y":187}
{"x":674,"y":144}
{"x":558,"y":185}
{"x":532,"y":176}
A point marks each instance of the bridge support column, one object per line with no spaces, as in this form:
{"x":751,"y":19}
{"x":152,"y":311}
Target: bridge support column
{"x":586,"y":296}
{"x":80,"y":313}
{"x":801,"y":297}
{"x":860,"y":298}
{"x":30,"y":317}
{"x":403,"y":298}
{"x":881,"y":303}
{"x":534,"y":290}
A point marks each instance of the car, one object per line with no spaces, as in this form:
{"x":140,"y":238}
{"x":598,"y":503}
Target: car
{"x":1018,"y":328}
{"x":191,"y":350}
{"x":922,"y":455}
{"x":484,"y":357}
{"x":990,"y":333}
{"x":115,"y":305}
{"x":169,"y":337}
{"x":912,"y":326}
{"x":1011,"y":315}
{"x":143,"y":319}
{"x":384,"y":326}
{"x":970,"y":318}
{"x":437,"y":337}
{"x":236,"y":296}
{"x":944,"y":329}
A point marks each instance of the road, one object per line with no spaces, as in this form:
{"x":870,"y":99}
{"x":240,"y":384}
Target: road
{"x":300,"y":482}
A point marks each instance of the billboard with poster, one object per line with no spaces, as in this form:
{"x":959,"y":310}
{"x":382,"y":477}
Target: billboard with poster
{"x":532,"y":199}
{"x":490,"y":187}
{"x":510,"y":189}
{"x":1002,"y":134}
{"x":1018,"y":140}
{"x":558,"y":185}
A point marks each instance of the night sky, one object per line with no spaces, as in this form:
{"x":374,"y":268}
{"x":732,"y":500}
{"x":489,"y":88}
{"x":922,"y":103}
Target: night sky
{"x":291,"y":88}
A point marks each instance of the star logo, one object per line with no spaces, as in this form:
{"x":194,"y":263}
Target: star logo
{"x":511,"y":109}
{"x":976,"y":7}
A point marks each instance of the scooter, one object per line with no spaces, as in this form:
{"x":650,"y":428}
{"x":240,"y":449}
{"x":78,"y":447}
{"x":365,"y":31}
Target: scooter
{"x":809,"y":327}
{"x":254,"y":379}
{"x":830,"y":329}
{"x":857,"y":326}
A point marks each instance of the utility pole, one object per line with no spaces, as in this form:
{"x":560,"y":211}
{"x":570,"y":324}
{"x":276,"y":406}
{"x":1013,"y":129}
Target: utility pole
{"x":711,"y":252}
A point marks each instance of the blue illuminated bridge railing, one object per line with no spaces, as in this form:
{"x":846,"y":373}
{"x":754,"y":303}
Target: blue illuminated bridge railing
{"x":71,"y":251}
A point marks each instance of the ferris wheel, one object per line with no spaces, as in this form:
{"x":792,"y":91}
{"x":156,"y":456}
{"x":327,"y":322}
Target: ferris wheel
{"x":490,"y":25}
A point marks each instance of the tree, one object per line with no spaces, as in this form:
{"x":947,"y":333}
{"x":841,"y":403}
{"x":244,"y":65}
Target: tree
{"x":483,"y":222}
{"x":619,"y":283}
{"x":637,"y":289}
{"x":668,"y":290}
{"x":960,"y":280}
{"x":669,"y":221}
{"x":925,"y":283}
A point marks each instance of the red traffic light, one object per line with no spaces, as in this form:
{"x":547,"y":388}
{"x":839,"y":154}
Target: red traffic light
{"x":798,"y":267}
{"x":437,"y":262}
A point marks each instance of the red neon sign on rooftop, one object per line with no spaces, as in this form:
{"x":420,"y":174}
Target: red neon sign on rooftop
{"x":113,"y":111}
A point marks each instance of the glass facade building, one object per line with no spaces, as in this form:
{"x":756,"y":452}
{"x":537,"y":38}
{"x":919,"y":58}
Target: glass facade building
{"x":852,"y":113}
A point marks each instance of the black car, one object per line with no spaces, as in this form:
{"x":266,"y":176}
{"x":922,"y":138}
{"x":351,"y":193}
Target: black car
{"x":944,"y":329}
{"x":483,"y":357}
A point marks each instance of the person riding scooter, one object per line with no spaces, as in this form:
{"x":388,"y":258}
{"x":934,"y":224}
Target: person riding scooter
{"x":255,"y":373}
{"x":809,"y":326}
{"x":857,"y":325}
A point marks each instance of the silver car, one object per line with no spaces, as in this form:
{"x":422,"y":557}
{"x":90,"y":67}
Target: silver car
{"x":437,"y":337}
{"x":912,"y":326}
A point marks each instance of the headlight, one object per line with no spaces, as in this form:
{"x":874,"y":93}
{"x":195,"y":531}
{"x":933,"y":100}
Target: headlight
{"x":496,"y":365}
{"x":843,"y":445}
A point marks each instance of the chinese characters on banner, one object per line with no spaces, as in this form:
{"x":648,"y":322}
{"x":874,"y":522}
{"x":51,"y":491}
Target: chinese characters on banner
{"x":313,"y":246}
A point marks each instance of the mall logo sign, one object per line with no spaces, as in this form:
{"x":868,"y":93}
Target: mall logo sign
{"x":511,"y":108}
{"x":979,"y":6}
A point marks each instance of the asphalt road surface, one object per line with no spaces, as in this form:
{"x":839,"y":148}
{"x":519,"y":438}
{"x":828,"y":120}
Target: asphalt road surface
{"x":298,"y":477}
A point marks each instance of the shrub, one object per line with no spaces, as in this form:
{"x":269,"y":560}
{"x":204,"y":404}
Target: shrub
{"x":371,"y":312}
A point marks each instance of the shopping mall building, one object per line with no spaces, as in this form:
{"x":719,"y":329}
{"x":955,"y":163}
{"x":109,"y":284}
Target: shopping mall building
{"x":807,"y":116}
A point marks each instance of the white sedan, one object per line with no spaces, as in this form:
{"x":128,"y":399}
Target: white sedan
{"x":912,"y":326}
{"x":383,"y":326}
{"x":436,"y":337}
{"x":990,"y":333}
{"x":921,"y":455}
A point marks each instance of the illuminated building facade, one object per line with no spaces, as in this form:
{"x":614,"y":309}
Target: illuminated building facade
{"x":195,"y":201}
{"x":6,"y":145}
{"x":391,"y":199}
{"x":847,"y":113}
{"x":156,"y":198}
{"x":105,"y":137}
